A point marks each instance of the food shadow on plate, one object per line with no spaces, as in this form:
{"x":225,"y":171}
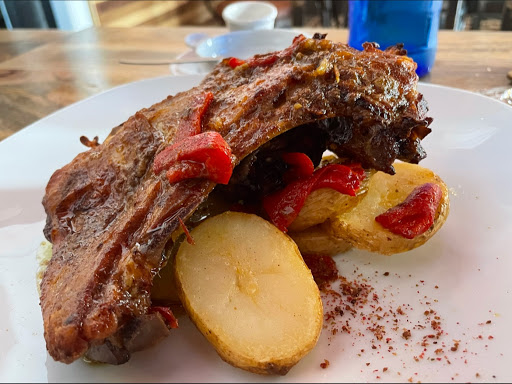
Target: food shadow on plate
{"x":184,"y":356}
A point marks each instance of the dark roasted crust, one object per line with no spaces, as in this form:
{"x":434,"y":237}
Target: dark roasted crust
{"x":110,"y":216}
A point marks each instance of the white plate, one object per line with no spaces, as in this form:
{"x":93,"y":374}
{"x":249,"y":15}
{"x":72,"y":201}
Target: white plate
{"x":469,"y":259}
{"x":241,"y":44}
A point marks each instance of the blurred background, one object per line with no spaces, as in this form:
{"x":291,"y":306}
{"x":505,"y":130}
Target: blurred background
{"x":80,"y":14}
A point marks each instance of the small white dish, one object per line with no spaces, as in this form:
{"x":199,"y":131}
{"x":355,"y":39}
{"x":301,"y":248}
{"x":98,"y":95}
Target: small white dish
{"x":250,"y":15}
{"x":194,"y":39}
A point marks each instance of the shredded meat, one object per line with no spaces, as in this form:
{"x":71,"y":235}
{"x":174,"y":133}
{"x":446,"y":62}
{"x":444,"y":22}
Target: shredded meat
{"x":109,"y":216}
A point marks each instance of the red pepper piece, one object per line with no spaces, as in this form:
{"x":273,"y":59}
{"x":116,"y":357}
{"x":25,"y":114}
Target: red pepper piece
{"x":166,"y":314}
{"x":416,"y":214}
{"x":357,"y":168}
{"x":183,"y":170}
{"x":263,"y":61}
{"x":301,"y":165}
{"x":191,"y":125}
{"x":190,"y":240}
{"x":296,"y":41}
{"x":284,"y":206}
{"x":206,"y":155}
{"x":338,"y":179}
{"x":233,"y":62}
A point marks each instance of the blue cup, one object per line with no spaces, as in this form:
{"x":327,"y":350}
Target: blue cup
{"x":388,"y":22}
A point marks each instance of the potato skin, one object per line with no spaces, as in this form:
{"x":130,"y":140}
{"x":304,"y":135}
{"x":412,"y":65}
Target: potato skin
{"x":278,"y":367}
{"x":358,"y":226}
{"x":324,"y":203}
{"x":230,"y":267}
{"x":320,"y":205}
{"x":318,"y":241}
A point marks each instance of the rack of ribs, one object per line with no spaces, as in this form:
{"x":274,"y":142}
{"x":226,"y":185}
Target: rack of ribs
{"x":111,"y":213}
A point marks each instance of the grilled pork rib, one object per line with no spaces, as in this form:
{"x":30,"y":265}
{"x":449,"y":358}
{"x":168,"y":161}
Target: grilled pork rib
{"x":110,"y":216}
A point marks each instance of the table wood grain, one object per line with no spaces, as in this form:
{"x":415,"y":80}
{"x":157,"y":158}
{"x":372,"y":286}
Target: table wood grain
{"x":42,"y":71}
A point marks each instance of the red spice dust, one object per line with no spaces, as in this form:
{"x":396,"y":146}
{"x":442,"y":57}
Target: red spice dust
{"x":410,"y":334}
{"x":323,"y":268}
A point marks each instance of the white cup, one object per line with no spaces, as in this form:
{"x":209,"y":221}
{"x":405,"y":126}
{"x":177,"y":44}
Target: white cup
{"x":250,"y":15}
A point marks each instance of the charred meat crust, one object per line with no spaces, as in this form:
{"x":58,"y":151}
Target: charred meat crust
{"x":110,"y":216}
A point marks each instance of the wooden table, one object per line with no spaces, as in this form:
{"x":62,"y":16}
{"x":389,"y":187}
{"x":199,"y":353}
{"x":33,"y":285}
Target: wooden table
{"x":44,"y":70}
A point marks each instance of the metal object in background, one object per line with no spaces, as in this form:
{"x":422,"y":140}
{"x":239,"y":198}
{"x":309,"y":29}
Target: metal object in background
{"x":506,"y":18}
{"x":27,"y":14}
{"x":452,"y":15}
{"x":470,"y":14}
{"x":170,"y":61}
{"x":45,"y":14}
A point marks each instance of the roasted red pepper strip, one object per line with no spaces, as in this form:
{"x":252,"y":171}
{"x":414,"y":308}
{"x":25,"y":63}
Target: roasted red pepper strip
{"x":301,"y":165}
{"x":296,"y":41}
{"x":166,"y":314}
{"x":263,"y":61}
{"x":416,"y":214}
{"x":191,"y":125}
{"x":284,"y":206}
{"x":233,"y":62}
{"x":338,"y":180}
{"x":190,"y":240}
{"x":206,"y":155}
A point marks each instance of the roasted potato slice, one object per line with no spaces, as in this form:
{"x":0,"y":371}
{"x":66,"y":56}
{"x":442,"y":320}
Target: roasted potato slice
{"x":246,"y":288}
{"x":321,"y":205}
{"x":358,"y":226}
{"x":317,"y":240}
{"x":324,"y":203}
